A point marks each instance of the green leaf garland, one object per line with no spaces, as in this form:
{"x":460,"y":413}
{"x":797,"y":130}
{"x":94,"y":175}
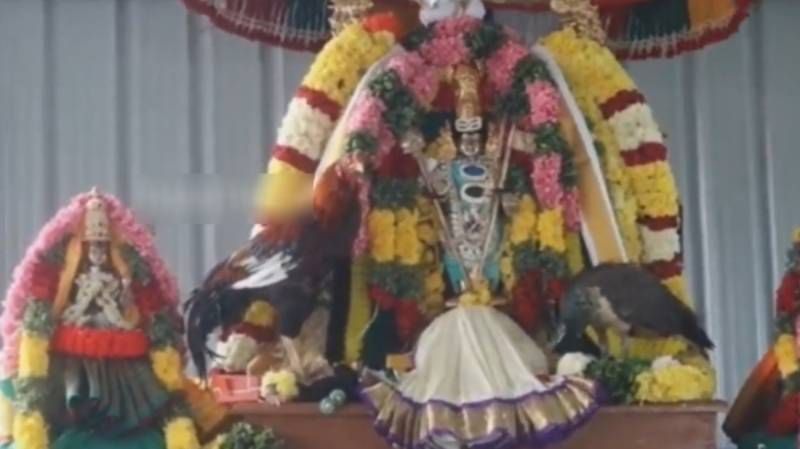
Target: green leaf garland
{"x":618,"y":377}
{"x":38,"y":319}
{"x":162,"y":331}
{"x":246,"y":436}
{"x":484,"y":41}
{"x":394,"y":193}
{"x":403,"y":282}
{"x":139,"y":268}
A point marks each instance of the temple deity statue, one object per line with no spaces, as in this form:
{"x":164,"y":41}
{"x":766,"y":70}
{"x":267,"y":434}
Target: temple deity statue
{"x":92,"y":340}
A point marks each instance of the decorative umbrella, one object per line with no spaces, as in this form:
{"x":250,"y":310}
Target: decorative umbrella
{"x":636,"y":28}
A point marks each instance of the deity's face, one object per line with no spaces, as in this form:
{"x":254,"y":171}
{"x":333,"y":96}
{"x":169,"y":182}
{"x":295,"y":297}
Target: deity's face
{"x":98,"y":253}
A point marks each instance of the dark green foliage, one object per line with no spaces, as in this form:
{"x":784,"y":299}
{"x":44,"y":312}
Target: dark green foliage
{"x":55,"y":255}
{"x":527,"y":258}
{"x":401,"y":281}
{"x":139,"y":268}
{"x":416,"y":38}
{"x":361,"y":142}
{"x":38,"y":319}
{"x":617,"y":377}
{"x":394,"y":193}
{"x":162,"y":331}
{"x":549,"y":139}
{"x":247,"y":436}
{"x":530,"y":69}
{"x":484,"y":41}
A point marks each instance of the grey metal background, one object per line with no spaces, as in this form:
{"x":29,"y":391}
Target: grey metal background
{"x":152,"y":104}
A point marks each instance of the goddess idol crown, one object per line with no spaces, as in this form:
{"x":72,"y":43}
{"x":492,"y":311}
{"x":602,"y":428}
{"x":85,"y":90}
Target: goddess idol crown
{"x":96,"y":223}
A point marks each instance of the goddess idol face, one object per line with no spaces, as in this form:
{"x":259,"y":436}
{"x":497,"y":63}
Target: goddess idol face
{"x":98,"y":253}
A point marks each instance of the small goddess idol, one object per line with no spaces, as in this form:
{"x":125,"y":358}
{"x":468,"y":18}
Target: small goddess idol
{"x":91,"y":348}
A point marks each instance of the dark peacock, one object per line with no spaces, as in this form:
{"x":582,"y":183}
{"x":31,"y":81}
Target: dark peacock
{"x":630,"y":300}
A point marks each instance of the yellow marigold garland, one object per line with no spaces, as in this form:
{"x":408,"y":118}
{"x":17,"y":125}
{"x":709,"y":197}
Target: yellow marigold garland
{"x":655,"y":187}
{"x":675,"y":383}
{"x":574,"y":253}
{"x":381,"y":226}
{"x":340,"y":65}
{"x":785,"y":353}
{"x":180,"y":433}
{"x":34,"y":360}
{"x":523,"y":224}
{"x":550,"y":229}
{"x":167,"y":366}
{"x":408,"y":247}
{"x":31,"y":431}
{"x":645,"y":190}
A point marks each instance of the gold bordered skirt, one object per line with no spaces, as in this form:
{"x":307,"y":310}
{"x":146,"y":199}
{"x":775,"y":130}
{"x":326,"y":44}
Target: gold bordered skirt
{"x":479,"y":382}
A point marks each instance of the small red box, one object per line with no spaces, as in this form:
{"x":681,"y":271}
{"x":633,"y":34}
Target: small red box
{"x":235,"y":388}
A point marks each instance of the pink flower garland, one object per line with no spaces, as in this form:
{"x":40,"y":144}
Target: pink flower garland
{"x":456,"y":27}
{"x":361,"y":242}
{"x":63,"y":223}
{"x":545,"y":104}
{"x":546,"y":176}
{"x":367,"y":115}
{"x":417,"y":75}
{"x":503,"y":63}
{"x":572,"y":210}
{"x":447,"y":47}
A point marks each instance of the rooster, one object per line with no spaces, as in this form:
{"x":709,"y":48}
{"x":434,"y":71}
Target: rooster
{"x":284,"y":265}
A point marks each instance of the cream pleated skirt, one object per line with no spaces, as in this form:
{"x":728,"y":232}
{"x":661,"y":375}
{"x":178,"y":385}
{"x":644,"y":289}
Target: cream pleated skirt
{"x":479,"y":382}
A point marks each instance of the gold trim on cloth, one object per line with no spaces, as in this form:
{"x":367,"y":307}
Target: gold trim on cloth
{"x":538,"y":417}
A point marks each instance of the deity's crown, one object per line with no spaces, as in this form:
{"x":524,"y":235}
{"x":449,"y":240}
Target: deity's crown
{"x":96,"y":224}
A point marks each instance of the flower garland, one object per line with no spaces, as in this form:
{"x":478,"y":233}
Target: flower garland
{"x":602,"y":85}
{"x":245,"y":435}
{"x":639,"y":179}
{"x":787,"y":346}
{"x":413,"y":96}
{"x":28,"y":320}
{"x":662,"y":381}
{"x":669,"y":381}
{"x":315,"y":109}
{"x":31,"y":431}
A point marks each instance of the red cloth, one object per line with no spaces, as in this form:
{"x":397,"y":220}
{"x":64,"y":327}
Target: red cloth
{"x":789,"y":293}
{"x":784,"y":419}
{"x":45,"y":283}
{"x":100,"y":343}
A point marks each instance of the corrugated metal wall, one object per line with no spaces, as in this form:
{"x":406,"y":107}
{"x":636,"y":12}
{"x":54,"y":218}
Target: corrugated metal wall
{"x":143,"y":100}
